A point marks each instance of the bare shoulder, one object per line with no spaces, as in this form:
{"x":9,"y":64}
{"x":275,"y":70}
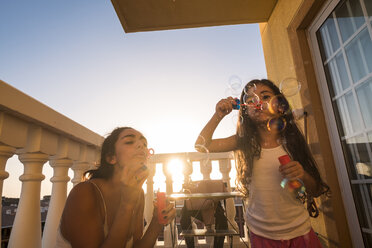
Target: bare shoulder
{"x":82,"y":193}
{"x":81,"y":207}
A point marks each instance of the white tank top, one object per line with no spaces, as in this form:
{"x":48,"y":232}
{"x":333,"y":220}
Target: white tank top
{"x":273,"y":212}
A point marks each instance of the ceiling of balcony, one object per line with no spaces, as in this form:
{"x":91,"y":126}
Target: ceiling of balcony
{"x":150,"y":15}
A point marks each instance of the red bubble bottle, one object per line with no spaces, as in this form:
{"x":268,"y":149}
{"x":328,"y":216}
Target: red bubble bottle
{"x":297,"y":185}
{"x":161,"y":200}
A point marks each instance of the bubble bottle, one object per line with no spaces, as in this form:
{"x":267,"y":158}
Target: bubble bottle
{"x":296,"y":186}
{"x":161,"y":200}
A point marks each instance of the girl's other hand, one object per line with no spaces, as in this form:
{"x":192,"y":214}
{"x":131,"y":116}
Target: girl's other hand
{"x":224,"y":106}
{"x":292,"y":170}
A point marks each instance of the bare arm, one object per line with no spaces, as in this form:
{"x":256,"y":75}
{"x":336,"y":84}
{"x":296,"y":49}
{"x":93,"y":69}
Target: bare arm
{"x":311,"y":186}
{"x":205,"y":143}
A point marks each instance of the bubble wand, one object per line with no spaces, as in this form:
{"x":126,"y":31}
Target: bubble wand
{"x":237,"y":104}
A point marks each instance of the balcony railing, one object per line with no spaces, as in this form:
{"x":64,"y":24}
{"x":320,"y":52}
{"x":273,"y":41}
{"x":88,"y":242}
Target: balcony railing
{"x":37,"y":134}
{"x":205,"y":165}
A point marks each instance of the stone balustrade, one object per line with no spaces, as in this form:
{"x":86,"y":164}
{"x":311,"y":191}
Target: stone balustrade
{"x":37,"y":134}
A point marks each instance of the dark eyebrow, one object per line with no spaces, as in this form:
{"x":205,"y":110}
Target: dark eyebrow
{"x":250,"y":95}
{"x":266,"y":91}
{"x":128,"y":136}
{"x":133,"y":136}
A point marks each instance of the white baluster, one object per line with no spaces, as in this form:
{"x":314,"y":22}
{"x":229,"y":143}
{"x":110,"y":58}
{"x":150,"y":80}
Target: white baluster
{"x":5,"y":153}
{"x":87,"y":160}
{"x":187,"y":170}
{"x":206,"y":168}
{"x":26,"y":231}
{"x":57,"y":202}
{"x":168,"y":179}
{"x":79,"y":168}
{"x":169,"y":190}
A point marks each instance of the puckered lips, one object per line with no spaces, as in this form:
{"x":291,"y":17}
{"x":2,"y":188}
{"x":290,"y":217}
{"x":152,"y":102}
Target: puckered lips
{"x":141,"y":155}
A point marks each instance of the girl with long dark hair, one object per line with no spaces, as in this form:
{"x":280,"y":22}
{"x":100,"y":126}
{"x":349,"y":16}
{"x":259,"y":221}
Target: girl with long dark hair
{"x":266,"y":130}
{"x":106,"y":210}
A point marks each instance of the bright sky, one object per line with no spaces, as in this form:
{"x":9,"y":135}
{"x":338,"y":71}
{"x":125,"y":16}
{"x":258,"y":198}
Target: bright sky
{"x":75,"y":57}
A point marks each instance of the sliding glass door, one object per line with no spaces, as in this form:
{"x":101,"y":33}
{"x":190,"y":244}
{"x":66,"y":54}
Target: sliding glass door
{"x":342,"y":43}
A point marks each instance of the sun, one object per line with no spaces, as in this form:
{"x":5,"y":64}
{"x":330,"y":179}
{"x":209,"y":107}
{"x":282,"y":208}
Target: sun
{"x":175,"y":169}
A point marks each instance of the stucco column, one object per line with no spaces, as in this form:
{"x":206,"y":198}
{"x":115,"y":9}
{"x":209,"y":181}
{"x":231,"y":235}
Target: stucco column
{"x":57,"y":202}
{"x":26,"y":231}
{"x":5,"y":153}
{"x":225,"y":168}
{"x":79,"y":168}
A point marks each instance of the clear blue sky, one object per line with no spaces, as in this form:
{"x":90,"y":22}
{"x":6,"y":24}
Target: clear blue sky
{"x":75,"y":57}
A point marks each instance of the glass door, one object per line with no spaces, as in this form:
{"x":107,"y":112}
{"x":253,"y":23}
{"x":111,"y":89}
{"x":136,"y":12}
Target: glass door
{"x":343,"y":40}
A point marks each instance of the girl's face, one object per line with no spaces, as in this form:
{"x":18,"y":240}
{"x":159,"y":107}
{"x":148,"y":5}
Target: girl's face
{"x":130,"y":149}
{"x":257,"y":100}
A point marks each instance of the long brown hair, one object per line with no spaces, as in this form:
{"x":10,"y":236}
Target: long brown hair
{"x":249,"y":143}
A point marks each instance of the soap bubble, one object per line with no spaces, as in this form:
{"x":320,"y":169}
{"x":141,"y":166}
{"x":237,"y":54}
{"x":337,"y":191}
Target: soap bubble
{"x":151,"y":152}
{"x":202,"y":139}
{"x":276,"y":124}
{"x":295,"y":187}
{"x":278,"y":105}
{"x":251,"y":88}
{"x":252,"y":101}
{"x":289,"y":87}
{"x":235,"y":85}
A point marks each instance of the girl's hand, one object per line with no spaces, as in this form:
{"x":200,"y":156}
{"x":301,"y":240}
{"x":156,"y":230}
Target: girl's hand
{"x":169,"y":212}
{"x":292,"y":170}
{"x":134,"y":175}
{"x":132,"y":180}
{"x":224,"y":106}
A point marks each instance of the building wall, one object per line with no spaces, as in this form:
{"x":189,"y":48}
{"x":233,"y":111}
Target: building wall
{"x":287,"y":54}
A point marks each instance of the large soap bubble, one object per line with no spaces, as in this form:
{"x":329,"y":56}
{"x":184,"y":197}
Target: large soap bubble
{"x":289,"y":86}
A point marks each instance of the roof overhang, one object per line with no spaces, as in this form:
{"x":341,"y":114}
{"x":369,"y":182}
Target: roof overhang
{"x":151,"y":15}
